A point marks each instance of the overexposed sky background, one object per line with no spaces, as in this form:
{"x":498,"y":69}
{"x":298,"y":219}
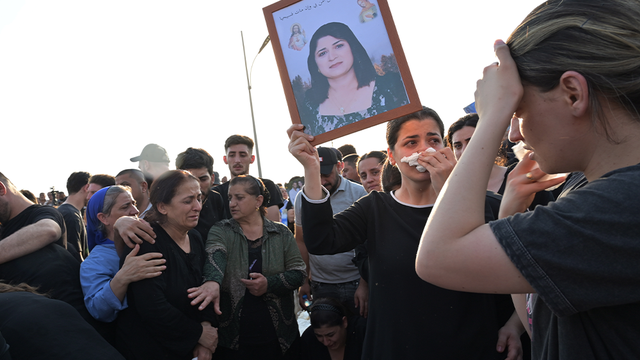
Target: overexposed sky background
{"x":85,"y":85}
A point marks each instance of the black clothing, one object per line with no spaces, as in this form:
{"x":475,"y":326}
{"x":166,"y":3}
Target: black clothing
{"x":408,"y":317}
{"x":37,"y":327}
{"x":256,"y":326}
{"x":51,"y":269}
{"x":212,"y":212}
{"x":312,"y":349}
{"x":160,"y":322}
{"x":76,"y":231}
{"x":274,"y":193}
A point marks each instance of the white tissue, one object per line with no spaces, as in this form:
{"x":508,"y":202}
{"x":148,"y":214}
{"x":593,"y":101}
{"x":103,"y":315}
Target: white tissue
{"x":412,"y":159}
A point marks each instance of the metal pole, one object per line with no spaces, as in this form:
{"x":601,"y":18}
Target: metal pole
{"x":253,"y":120}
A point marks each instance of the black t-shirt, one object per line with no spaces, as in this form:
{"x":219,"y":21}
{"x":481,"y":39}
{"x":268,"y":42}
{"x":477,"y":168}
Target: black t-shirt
{"x":37,"y":327}
{"x":76,"y":231}
{"x":52,"y":269}
{"x":580,"y":253}
{"x":274,"y":192}
{"x":212,"y":212}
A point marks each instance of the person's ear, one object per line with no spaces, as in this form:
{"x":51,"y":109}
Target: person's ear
{"x":392,"y":160}
{"x":253,"y":158}
{"x":344,"y":322}
{"x":224,"y":158}
{"x":259,"y":200}
{"x":3,"y":189}
{"x":339,"y":167}
{"x":103,"y":219}
{"x":575,"y":92}
{"x":144,"y":186}
{"x":162,"y":209}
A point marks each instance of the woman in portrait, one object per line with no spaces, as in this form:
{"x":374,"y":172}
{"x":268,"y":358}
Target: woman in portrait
{"x":253,"y":267}
{"x":160,"y":322}
{"x":297,"y":40}
{"x":345,"y":87}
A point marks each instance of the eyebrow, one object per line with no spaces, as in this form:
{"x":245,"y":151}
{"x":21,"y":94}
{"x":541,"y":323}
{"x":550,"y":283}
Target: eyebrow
{"x":433,"y":134}
{"x":319,"y":50}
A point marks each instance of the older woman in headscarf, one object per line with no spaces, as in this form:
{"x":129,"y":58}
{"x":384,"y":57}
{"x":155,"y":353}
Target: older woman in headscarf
{"x":104,"y":283}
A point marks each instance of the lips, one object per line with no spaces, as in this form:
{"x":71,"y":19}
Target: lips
{"x":335,"y":65}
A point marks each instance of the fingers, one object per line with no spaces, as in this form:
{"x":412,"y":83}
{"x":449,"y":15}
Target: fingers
{"x":216,"y":306}
{"x":503,"y":54}
{"x":205,"y":302}
{"x":134,"y":252}
{"x":293,"y":128}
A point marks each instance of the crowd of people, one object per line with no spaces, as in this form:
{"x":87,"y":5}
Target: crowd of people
{"x":443,"y":246}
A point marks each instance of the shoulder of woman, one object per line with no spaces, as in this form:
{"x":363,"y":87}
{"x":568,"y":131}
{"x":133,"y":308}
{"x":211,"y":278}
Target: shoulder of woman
{"x":275,"y":227}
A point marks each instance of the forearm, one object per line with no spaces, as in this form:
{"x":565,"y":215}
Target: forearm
{"x":101,"y":302}
{"x":119,"y":286}
{"x":29,"y":239}
{"x":284,"y":283}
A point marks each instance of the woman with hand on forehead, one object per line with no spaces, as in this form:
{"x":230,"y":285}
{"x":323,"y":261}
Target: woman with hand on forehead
{"x":570,"y":73}
{"x":444,"y":324}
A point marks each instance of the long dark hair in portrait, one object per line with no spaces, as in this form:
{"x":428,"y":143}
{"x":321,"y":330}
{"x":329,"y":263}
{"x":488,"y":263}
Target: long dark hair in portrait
{"x":362,"y":65}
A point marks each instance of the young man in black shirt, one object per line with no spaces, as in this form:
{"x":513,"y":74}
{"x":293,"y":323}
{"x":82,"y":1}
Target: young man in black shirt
{"x":29,"y":252}
{"x":239,"y":156}
{"x":71,"y":210}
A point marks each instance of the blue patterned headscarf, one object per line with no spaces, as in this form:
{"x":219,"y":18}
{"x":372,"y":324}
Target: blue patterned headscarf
{"x":94,"y":235}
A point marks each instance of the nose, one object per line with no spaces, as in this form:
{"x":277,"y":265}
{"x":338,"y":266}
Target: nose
{"x":514,"y":130}
{"x":198,"y":206}
{"x":134,"y":211}
{"x":326,"y":342}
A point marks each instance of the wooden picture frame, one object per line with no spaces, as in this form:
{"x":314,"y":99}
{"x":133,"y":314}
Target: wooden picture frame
{"x":293,"y":25}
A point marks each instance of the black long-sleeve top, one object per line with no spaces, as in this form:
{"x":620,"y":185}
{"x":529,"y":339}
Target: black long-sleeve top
{"x":408,"y":317}
{"x":160,"y":322}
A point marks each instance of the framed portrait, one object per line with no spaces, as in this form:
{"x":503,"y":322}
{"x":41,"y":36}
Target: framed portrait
{"x":341,"y":65}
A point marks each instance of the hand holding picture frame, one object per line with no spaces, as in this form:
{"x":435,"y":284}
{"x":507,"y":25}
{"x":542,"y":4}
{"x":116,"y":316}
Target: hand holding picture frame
{"x":341,"y":65}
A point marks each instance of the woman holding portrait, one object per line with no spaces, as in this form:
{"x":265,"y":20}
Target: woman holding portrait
{"x":345,"y":87}
{"x":253,"y":267}
{"x":160,"y":322}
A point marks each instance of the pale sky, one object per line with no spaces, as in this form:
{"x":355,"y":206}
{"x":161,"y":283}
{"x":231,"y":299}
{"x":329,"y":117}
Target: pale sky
{"x":85,"y":85}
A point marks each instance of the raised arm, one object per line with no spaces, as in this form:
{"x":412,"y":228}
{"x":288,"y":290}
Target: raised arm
{"x":29,"y":239}
{"x":461,"y":252}
{"x":307,"y":155}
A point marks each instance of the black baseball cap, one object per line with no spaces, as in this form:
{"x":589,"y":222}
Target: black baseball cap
{"x":328,"y":159}
{"x":153,"y":153}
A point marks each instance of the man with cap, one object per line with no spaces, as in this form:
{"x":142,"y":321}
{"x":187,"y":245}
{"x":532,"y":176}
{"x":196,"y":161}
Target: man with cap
{"x":153,"y":161}
{"x":336,"y":275}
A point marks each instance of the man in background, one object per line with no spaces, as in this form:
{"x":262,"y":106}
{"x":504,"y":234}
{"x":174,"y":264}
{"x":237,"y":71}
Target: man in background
{"x":97,"y":182}
{"x":153,"y":161}
{"x":71,"y":210}
{"x":239,"y":156}
{"x":135,"y":179}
